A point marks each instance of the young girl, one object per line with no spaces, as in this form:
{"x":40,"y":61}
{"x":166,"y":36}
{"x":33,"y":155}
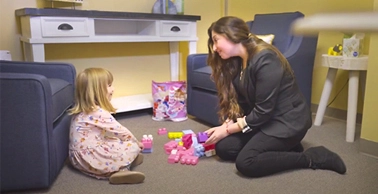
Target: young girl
{"x":100,"y":146}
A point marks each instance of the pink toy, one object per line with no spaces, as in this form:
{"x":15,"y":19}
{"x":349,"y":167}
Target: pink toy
{"x":187,"y":140}
{"x":173,"y":158}
{"x":169,"y":146}
{"x":189,"y":152}
{"x":147,"y":141}
{"x":193,"y":160}
{"x":162,"y":131}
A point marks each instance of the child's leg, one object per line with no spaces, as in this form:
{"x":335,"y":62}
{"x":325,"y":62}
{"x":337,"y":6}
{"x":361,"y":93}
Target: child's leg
{"x":138,"y":160}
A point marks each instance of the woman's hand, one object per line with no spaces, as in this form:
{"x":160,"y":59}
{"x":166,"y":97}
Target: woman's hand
{"x":216,"y":134}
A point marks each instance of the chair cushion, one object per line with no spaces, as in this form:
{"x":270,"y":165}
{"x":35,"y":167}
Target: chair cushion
{"x":278,"y":24}
{"x":62,"y":97}
{"x":201,"y":79}
{"x":268,"y":38}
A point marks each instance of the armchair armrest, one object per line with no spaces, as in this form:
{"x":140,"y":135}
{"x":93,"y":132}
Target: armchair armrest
{"x":26,"y":126}
{"x":196,"y":61}
{"x":64,"y":71}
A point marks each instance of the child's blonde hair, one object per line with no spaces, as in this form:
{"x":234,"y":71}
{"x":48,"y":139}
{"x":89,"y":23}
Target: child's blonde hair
{"x":92,"y":91}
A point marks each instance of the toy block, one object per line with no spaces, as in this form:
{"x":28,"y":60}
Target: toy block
{"x":175,"y":135}
{"x":178,"y":140}
{"x":168,"y":147}
{"x":210,"y":153}
{"x":173,"y":158}
{"x":188,"y":131}
{"x":174,"y":151}
{"x":189,"y":152}
{"x":147,"y":150}
{"x":193,"y":160}
{"x":194,"y":140}
{"x":149,"y":136}
{"x":162,"y":131}
{"x":180,"y":147}
{"x":209,"y":147}
{"x":199,"y":150}
{"x":187,"y":140}
{"x":202,"y":137}
{"x":180,"y":143}
{"x":147,"y":141}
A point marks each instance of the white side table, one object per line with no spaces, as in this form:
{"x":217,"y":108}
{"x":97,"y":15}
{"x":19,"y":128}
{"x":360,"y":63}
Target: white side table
{"x":353,"y":65}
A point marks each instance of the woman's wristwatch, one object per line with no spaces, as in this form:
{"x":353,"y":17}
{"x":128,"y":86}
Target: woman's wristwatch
{"x":243,"y":125}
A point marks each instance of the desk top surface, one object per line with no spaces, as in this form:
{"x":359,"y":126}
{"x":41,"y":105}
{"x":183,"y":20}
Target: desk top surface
{"x":101,"y":14}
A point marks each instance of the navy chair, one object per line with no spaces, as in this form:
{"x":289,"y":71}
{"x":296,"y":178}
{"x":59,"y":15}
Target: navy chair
{"x":34,"y":123}
{"x":202,"y":101}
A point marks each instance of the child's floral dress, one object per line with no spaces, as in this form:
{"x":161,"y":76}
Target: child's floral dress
{"x":99,"y":145}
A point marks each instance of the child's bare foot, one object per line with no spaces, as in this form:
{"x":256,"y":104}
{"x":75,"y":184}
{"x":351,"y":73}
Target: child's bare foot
{"x":126,"y":177}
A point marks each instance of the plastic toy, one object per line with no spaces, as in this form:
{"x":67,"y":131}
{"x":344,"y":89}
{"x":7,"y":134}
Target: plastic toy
{"x":173,"y":158}
{"x":210,"y":153}
{"x":199,"y":150}
{"x":188,"y":131}
{"x":168,"y":147}
{"x":162,"y":131}
{"x":202,"y":137}
{"x":193,"y":160}
{"x":175,"y":135}
{"x":336,"y":50}
{"x":187,"y":140}
{"x":147,"y":141}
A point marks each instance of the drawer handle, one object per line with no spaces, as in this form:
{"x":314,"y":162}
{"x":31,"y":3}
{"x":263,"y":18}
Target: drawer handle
{"x":65,"y":26}
{"x":175,"y":29}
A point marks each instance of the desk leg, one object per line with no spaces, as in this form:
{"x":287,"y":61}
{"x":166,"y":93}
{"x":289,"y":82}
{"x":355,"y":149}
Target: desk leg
{"x":174,"y":60}
{"x":192,"y":47}
{"x":325,"y":96}
{"x":352,"y":105}
{"x":34,"y":52}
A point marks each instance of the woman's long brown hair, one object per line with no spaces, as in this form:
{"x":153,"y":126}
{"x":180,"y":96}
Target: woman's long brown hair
{"x":224,"y":71}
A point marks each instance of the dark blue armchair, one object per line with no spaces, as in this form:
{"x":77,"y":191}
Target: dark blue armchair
{"x":202,"y":101}
{"x":34,"y":124}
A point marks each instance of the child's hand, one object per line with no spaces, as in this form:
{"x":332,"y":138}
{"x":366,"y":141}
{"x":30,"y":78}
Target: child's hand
{"x":141,"y":146}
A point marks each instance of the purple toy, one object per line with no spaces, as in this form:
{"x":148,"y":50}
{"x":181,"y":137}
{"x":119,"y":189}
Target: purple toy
{"x":202,"y":137}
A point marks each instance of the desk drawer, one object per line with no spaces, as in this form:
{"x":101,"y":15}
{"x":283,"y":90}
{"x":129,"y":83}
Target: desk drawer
{"x":64,"y":27}
{"x":168,"y":28}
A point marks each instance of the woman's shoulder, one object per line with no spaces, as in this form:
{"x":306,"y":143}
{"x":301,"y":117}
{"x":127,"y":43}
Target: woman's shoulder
{"x":265,"y":56}
{"x":265,"y":53}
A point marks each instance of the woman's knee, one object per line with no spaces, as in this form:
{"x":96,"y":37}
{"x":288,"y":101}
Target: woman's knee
{"x":225,"y":152}
{"x":247,"y":166}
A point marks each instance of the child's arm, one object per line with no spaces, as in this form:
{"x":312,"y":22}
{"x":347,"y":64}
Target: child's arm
{"x":111,"y":127}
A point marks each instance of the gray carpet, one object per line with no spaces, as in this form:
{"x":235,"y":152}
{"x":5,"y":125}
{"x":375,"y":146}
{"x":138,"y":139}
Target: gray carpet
{"x":213,"y":176}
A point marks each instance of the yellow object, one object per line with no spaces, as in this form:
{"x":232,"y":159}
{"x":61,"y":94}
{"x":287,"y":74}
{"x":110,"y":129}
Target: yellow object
{"x":336,"y":50}
{"x":175,"y":135}
{"x":181,"y":143}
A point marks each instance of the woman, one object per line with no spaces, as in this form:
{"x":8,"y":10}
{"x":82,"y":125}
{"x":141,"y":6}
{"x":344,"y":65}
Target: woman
{"x":264,"y":114}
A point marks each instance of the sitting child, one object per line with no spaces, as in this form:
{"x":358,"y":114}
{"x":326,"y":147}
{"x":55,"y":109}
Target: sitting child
{"x":99,"y":145}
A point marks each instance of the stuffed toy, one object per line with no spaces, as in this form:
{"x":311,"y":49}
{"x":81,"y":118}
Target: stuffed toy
{"x":336,"y":50}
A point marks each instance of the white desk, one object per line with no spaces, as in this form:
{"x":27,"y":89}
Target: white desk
{"x":353,"y":65}
{"x":45,"y":26}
